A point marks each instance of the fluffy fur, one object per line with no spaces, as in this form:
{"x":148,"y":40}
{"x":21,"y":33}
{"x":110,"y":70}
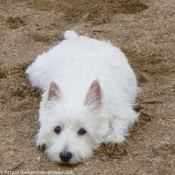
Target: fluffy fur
{"x":86,"y":84}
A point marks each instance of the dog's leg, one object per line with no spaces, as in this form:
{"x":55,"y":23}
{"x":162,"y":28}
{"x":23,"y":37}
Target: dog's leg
{"x":41,"y":142}
{"x":120,"y":127}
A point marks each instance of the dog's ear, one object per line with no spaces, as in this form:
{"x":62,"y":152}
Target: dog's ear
{"x":54,"y":91}
{"x":94,"y":95}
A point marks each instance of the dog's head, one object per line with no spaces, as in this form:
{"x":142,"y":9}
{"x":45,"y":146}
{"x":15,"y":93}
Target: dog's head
{"x":70,"y":129}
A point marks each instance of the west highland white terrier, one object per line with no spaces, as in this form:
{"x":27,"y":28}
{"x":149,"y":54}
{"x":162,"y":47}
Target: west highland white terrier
{"x":89,"y":92}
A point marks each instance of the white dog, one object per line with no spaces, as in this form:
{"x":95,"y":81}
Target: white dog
{"x":89,"y":92}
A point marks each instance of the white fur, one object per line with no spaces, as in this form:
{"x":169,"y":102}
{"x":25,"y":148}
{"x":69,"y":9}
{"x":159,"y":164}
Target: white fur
{"x":73,"y":65}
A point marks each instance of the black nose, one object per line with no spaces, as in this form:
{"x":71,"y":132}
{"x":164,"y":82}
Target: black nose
{"x":65,"y":156}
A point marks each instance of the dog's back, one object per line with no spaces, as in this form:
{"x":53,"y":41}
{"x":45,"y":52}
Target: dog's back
{"x":80,"y":60}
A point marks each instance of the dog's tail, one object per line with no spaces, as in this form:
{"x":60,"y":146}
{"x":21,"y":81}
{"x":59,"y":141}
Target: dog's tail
{"x":69,"y":34}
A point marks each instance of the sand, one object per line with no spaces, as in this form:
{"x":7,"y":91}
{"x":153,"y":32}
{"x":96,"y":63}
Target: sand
{"x":144,"y":30}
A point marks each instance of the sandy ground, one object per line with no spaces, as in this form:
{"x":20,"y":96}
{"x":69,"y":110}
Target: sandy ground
{"x":144,"y":30}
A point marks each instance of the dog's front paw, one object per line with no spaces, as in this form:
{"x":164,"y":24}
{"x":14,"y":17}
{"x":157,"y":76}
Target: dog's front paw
{"x":41,"y":145}
{"x":114,"y":138}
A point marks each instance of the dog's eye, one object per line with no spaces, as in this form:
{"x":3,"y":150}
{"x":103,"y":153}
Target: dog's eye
{"x":57,"y":129}
{"x":82,"y":131}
